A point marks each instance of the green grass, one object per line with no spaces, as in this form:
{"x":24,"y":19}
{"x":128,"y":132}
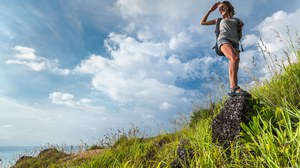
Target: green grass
{"x":270,"y":139}
{"x":283,"y":90}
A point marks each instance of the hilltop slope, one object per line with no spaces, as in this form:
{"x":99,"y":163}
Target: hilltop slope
{"x":270,"y":139}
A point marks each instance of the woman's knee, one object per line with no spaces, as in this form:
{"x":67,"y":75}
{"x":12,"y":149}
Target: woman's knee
{"x":230,"y":52}
{"x":236,"y":59}
{"x":233,"y":58}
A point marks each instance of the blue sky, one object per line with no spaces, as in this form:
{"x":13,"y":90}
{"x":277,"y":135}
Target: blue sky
{"x":75,"y":70}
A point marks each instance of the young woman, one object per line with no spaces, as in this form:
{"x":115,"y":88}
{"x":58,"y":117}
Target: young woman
{"x":228,"y":42}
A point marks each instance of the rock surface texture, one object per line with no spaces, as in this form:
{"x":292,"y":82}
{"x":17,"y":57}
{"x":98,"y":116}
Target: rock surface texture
{"x":184,"y":153}
{"x":226,"y":126}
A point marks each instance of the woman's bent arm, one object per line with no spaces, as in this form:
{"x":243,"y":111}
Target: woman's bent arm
{"x":204,"y":19}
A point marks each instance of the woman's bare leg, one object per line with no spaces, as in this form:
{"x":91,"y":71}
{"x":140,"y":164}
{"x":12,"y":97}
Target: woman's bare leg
{"x":234,"y":59}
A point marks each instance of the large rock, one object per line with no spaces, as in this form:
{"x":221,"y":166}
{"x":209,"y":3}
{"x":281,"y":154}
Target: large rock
{"x":226,"y":126}
{"x":184,"y":153}
{"x":44,"y":159}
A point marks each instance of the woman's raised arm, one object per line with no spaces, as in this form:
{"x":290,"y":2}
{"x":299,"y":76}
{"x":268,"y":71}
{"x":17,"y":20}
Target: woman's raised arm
{"x":204,"y":19}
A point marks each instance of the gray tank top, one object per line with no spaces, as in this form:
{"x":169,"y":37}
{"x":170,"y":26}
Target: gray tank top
{"x":228,"y":30}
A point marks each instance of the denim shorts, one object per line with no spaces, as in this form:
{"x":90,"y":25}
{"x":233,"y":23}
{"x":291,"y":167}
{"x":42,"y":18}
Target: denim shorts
{"x":226,"y":41}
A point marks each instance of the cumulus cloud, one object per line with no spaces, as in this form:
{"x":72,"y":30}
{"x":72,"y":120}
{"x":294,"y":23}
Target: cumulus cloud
{"x":275,"y":31}
{"x":26,"y":56}
{"x":135,"y":8}
{"x":279,"y":28}
{"x":165,"y":106}
{"x":250,"y":40}
{"x":181,"y":39}
{"x":66,"y":99}
{"x":139,"y":73}
{"x":135,"y":69}
{"x":159,"y":20}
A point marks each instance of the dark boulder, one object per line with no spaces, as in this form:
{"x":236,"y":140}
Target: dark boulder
{"x":226,"y":126}
{"x":184,"y":154}
{"x":44,"y":159}
{"x":24,"y":159}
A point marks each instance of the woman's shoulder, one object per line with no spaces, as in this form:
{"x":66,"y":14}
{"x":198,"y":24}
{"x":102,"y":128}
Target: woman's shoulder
{"x":232,"y":20}
{"x":238,"y":19}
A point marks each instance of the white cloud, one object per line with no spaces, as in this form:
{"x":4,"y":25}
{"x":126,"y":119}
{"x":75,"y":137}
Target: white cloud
{"x":139,"y":73}
{"x":48,"y":124}
{"x":280,"y":22}
{"x":199,"y":68}
{"x":145,"y":35}
{"x":159,"y":20}
{"x":66,"y":99}
{"x":92,"y":65}
{"x":136,"y":8}
{"x":181,"y":39}
{"x":276,"y":32}
{"x":250,"y":40}
{"x":165,"y":106}
{"x":26,"y":53}
{"x":147,"y":116}
{"x":26,"y":56}
{"x":7,"y":126}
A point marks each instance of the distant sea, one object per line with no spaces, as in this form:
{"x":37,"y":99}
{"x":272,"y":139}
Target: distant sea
{"x":10,"y":154}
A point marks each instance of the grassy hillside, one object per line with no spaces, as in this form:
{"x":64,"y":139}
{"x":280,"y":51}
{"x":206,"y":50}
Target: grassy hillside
{"x":270,"y":139}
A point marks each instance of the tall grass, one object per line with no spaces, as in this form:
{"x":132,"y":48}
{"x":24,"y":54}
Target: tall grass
{"x":272,"y":138}
{"x":284,"y":87}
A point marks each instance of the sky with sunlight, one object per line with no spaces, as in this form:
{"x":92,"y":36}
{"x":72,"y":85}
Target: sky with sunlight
{"x":75,"y":70}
